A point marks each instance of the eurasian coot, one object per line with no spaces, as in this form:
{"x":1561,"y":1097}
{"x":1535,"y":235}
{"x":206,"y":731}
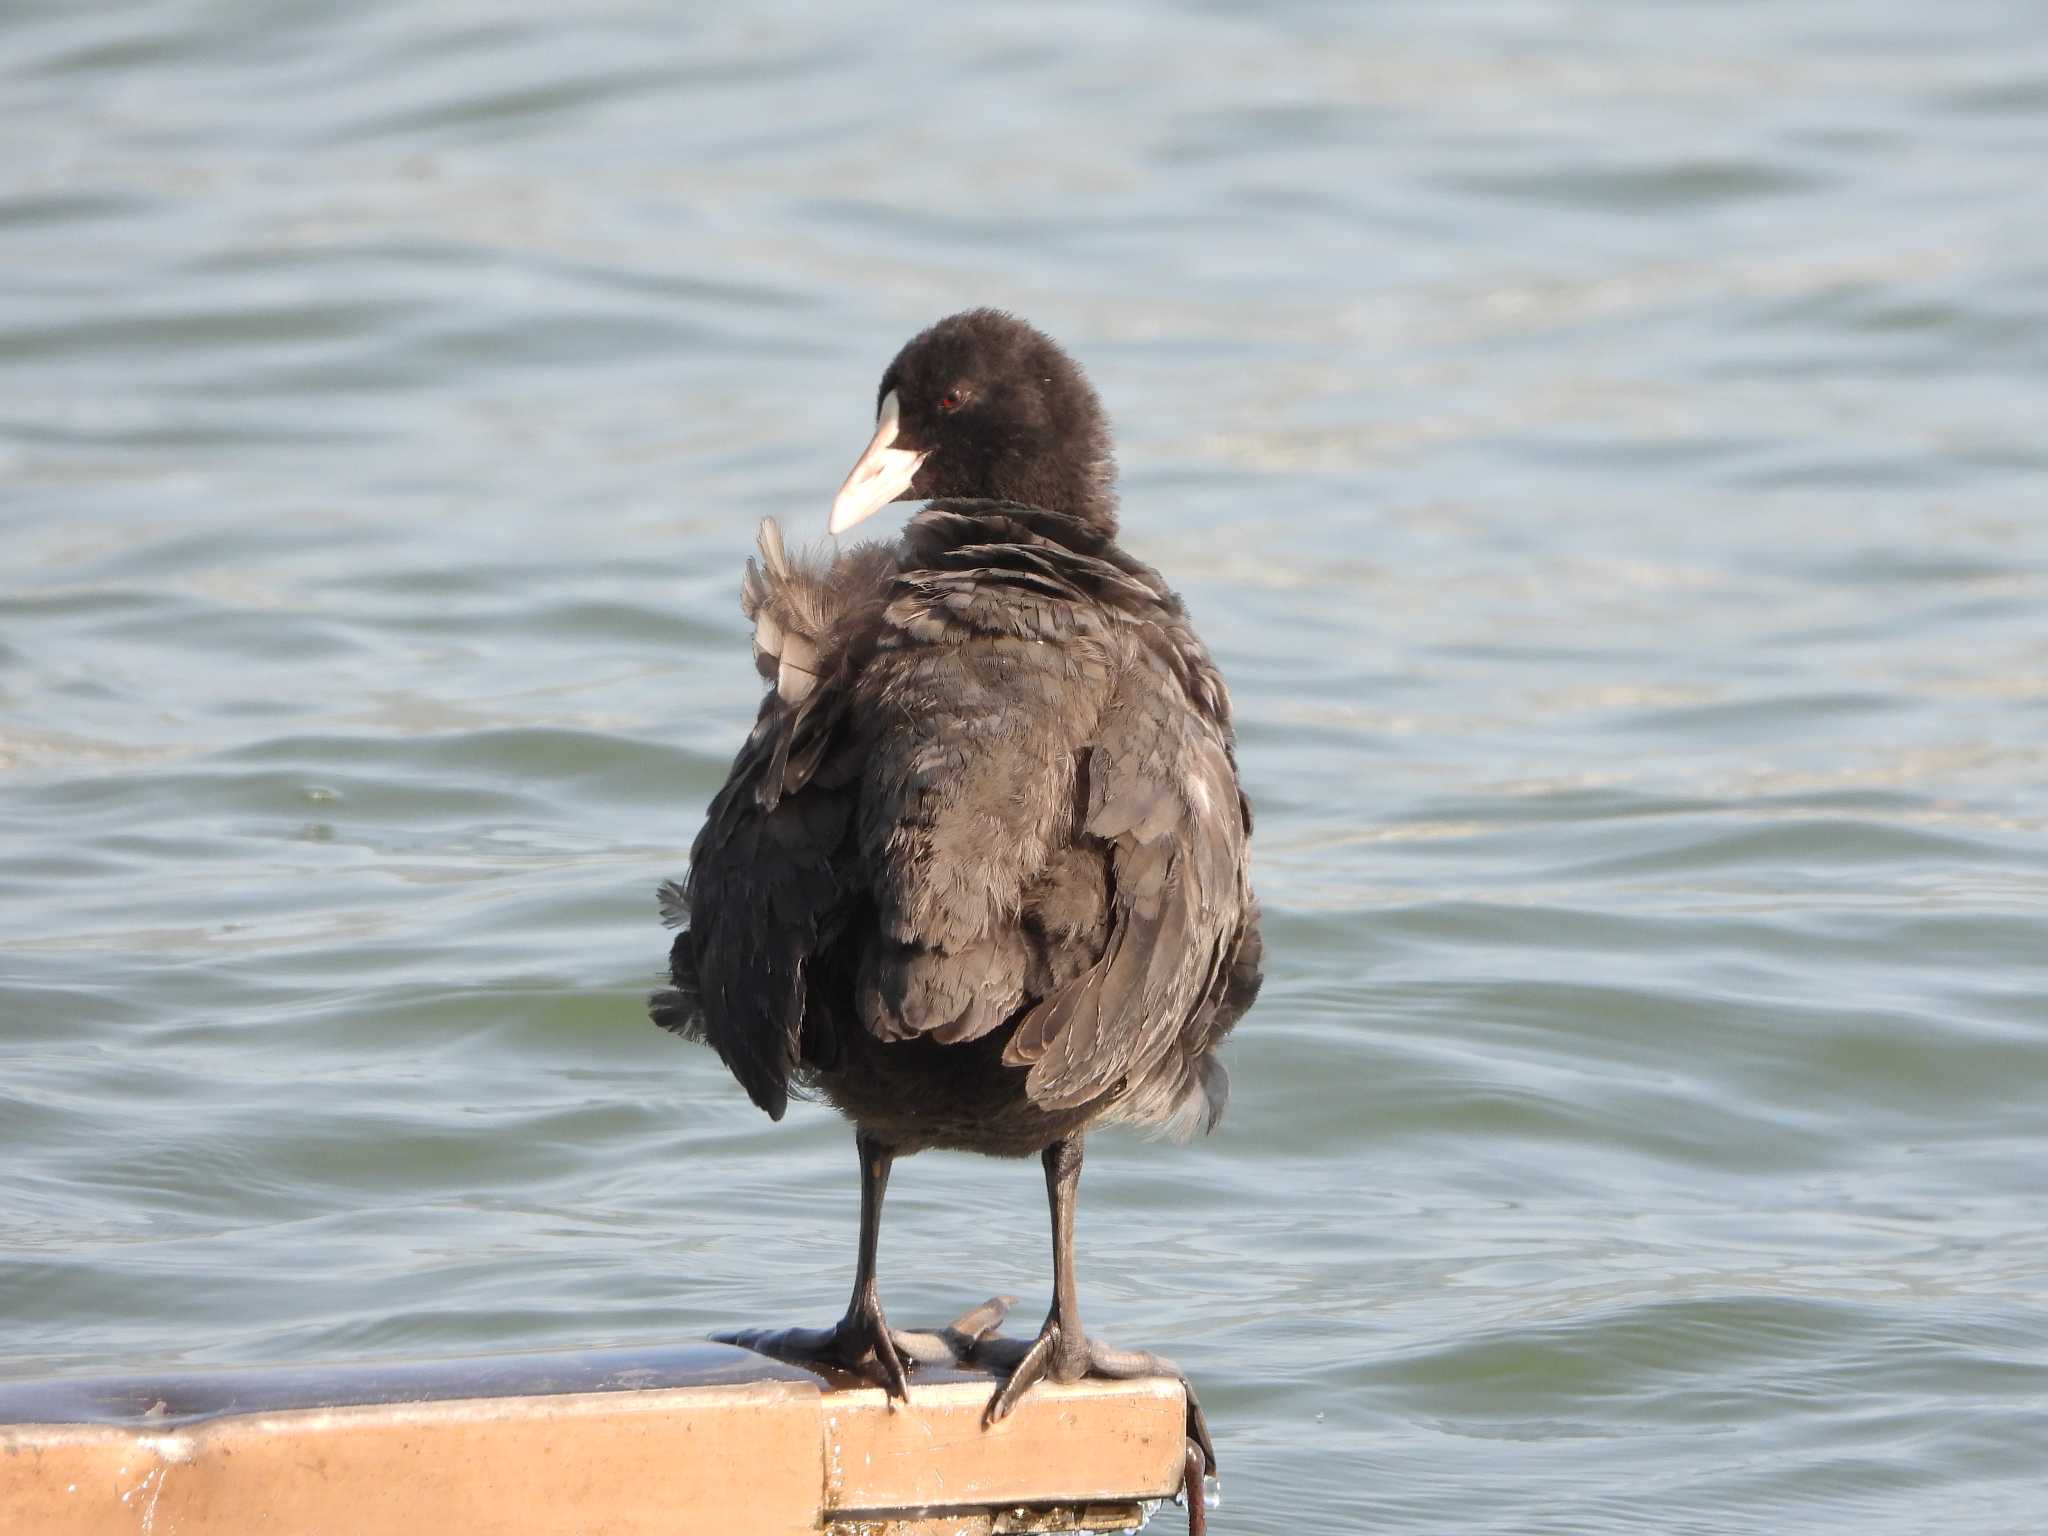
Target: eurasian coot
{"x":979,"y":876}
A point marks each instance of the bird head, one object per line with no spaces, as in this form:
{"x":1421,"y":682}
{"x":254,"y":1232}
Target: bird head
{"x":984,"y":406}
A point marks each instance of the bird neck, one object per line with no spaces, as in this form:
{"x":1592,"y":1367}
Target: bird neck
{"x":954,"y":522}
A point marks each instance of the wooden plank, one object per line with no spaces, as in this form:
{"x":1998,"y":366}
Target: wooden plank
{"x":787,"y":1452}
{"x":1092,"y":1441}
{"x":742,"y":1460}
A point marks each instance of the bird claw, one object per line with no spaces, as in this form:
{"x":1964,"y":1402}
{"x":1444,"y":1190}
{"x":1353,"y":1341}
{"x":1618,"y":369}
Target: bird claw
{"x":861,"y":1342}
{"x":1028,"y":1364}
{"x":1030,"y":1369}
{"x":1048,"y":1355}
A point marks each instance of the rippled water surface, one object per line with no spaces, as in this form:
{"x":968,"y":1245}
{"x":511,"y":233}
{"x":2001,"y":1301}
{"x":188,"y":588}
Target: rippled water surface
{"x":1604,"y":445}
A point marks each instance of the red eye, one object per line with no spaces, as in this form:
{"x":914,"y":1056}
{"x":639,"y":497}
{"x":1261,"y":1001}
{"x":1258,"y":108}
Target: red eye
{"x":952,"y":400}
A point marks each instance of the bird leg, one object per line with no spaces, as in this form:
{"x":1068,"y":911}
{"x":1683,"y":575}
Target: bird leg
{"x":864,"y":1343}
{"x":1062,"y":1352}
{"x":861,"y":1341}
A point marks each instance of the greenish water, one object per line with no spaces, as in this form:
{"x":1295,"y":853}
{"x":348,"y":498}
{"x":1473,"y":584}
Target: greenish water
{"x":1604,"y":445}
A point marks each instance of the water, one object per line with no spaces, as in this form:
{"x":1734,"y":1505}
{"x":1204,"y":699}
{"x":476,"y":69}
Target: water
{"x":1603,"y":445}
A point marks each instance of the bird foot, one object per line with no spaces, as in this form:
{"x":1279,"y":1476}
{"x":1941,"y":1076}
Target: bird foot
{"x":861,"y":1342}
{"x":959,"y":1342}
{"x":1051,"y":1355}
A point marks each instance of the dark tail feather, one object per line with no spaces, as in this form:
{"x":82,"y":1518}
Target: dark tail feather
{"x":679,"y":1009}
{"x":677,"y":1013}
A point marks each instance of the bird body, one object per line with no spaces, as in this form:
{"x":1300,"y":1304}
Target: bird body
{"x":980,"y":875}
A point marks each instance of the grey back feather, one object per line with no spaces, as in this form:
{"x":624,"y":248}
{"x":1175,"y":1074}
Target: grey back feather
{"x":992,"y":788}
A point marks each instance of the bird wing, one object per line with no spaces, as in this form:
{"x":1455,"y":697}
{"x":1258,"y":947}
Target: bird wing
{"x":1057,"y":741}
{"x":1163,"y":799}
{"x":770,"y":880}
{"x":981,"y":707}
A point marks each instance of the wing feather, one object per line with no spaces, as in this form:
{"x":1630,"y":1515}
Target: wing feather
{"x":770,"y":873}
{"x":1164,"y":801}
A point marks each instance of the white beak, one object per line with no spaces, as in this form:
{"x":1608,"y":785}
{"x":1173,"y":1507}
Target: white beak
{"x":882,"y":474}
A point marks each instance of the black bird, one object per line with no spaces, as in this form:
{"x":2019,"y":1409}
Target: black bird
{"x":979,"y":876}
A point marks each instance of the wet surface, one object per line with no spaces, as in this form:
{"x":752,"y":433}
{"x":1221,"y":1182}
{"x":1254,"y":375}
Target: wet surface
{"x":188,"y":1397}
